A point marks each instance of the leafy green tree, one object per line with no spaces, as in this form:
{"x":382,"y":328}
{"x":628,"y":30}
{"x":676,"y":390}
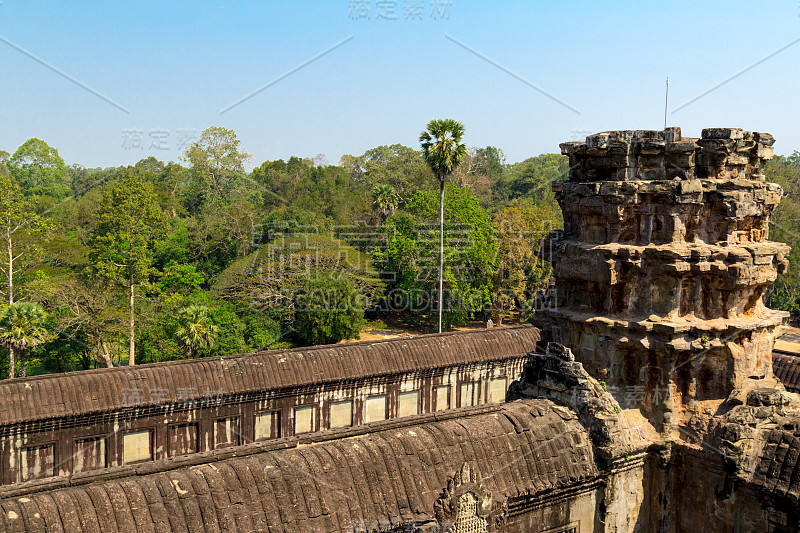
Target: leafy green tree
{"x":4,"y":170}
{"x":399,"y":166}
{"x":85,"y":309}
{"x":219,"y":201}
{"x":177,"y":246}
{"x":262,"y":331}
{"x":286,"y":220}
{"x":785,"y":292}
{"x":485,"y":173}
{"x":327,"y":191}
{"x":167,"y":184}
{"x":22,"y":326}
{"x":83,"y":180}
{"x":443,"y":151}
{"x":196,"y":331}
{"x":179,"y":278}
{"x":39,"y":169}
{"x":534,"y":177}
{"x":22,"y":233}
{"x":166,"y":179}
{"x":470,"y":246}
{"x":384,"y":201}
{"x":490,"y":161}
{"x":230,"y":337}
{"x":518,"y":270}
{"x":217,"y":161}
{"x":221,"y":231}
{"x":121,"y":246}
{"x":269,"y":279}
{"x":150,"y":166}
{"x":328,"y":310}
{"x":66,"y":352}
{"x":277,"y":179}
{"x":162,"y":300}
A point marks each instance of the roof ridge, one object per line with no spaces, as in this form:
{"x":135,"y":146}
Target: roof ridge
{"x":296,"y":349}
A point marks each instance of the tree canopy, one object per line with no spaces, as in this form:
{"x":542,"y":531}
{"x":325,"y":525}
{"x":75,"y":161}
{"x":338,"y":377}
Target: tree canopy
{"x":38,"y":169}
{"x":442,"y":148}
{"x":129,"y":222}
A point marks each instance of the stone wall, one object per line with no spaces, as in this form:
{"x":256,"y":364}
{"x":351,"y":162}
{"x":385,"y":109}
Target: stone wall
{"x":621,"y":439}
{"x":151,"y":414}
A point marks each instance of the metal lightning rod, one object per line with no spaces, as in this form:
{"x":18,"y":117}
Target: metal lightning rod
{"x":666,"y":104}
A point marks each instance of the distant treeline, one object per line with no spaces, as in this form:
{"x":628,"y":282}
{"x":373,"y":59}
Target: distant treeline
{"x":160,"y":261}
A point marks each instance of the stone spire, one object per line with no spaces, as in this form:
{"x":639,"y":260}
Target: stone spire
{"x":661,"y":268}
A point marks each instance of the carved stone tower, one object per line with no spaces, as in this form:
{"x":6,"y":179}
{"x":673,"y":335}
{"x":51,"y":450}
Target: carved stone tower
{"x":661,"y":268}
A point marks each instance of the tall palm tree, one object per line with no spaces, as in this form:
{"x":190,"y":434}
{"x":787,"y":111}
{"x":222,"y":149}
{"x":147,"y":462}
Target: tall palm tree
{"x":196,"y":330}
{"x":443,"y":151}
{"x":22,"y":326}
{"x":384,"y":200}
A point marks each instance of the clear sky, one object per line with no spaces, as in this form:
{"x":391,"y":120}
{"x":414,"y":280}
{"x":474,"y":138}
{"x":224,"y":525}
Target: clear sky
{"x":114,"y":82}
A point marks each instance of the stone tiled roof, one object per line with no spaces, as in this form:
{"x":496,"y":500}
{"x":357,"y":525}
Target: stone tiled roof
{"x":361,"y":478}
{"x":60,"y":395}
{"x":786,"y":368}
{"x":776,"y":468}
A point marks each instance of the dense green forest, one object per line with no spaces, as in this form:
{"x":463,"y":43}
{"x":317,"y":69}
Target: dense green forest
{"x":160,"y":261}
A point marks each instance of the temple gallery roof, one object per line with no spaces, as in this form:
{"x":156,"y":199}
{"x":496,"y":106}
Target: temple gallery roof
{"x":374,"y":476}
{"x":776,"y":467}
{"x":73,"y":393}
{"x":786,"y":367}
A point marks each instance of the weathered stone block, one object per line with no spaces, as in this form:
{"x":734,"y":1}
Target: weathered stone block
{"x":723,"y":133}
{"x":672,"y":134}
{"x":764,"y":138}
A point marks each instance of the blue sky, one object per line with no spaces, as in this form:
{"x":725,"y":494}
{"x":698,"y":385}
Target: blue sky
{"x":174,"y":66}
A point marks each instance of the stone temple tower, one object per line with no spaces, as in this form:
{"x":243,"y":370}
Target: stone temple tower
{"x":661,"y":268}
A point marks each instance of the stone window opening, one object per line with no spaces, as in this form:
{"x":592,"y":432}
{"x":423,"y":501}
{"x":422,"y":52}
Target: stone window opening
{"x":182,"y":439}
{"x":375,"y":408}
{"x":137,"y":446}
{"x":470,"y":393}
{"x":408,"y":403}
{"x":227,"y":432}
{"x":340,"y":414}
{"x":37,"y":462}
{"x":497,"y":390}
{"x":267,"y":425}
{"x":442,"y":397}
{"x":305,"y":419}
{"x":90,"y":453}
